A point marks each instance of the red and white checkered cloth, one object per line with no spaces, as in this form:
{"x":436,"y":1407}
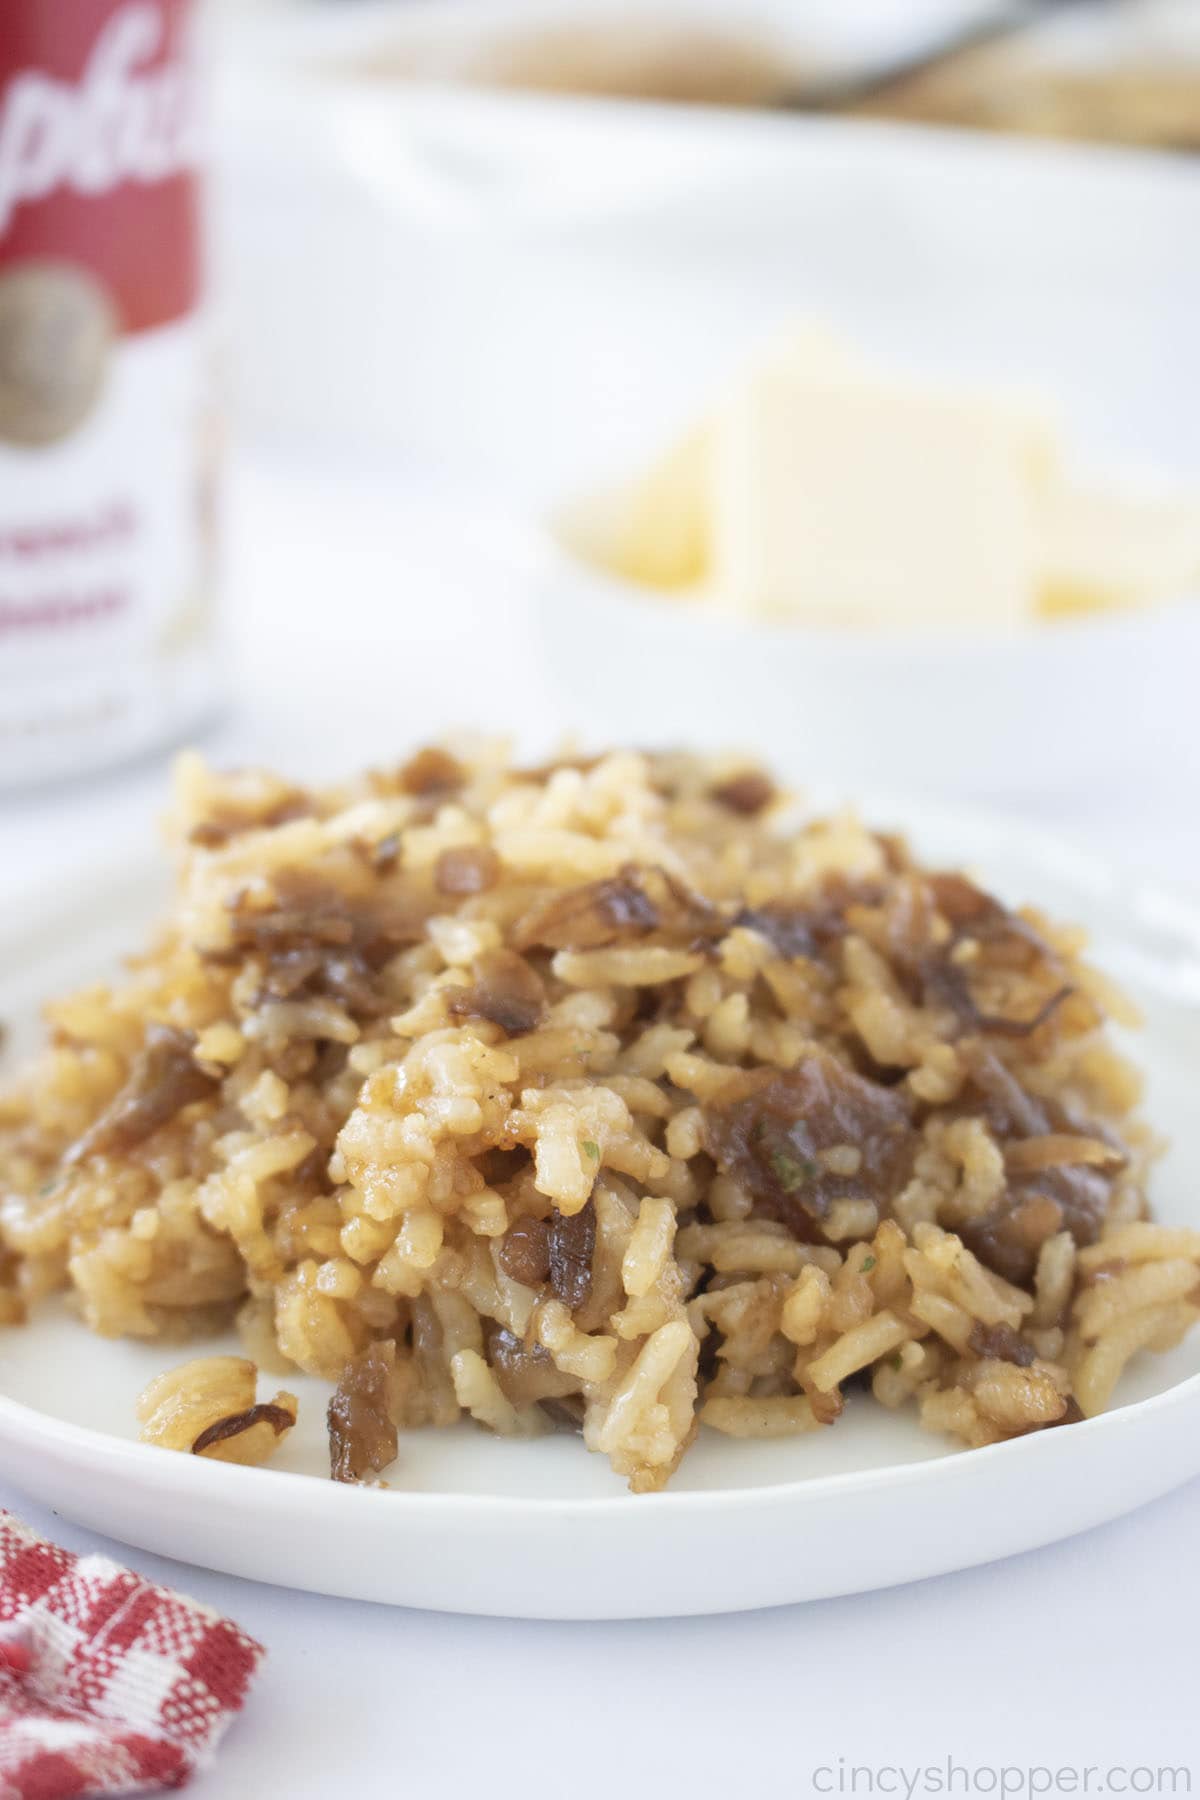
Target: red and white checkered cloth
{"x":108,"y":1684}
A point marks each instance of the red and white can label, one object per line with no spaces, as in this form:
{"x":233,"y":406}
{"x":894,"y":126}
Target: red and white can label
{"x":107,"y":445}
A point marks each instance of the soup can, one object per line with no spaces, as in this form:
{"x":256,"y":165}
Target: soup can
{"x":108,"y":433}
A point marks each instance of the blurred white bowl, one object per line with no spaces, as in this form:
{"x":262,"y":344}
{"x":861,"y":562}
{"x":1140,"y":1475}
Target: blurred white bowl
{"x":1053,"y":711}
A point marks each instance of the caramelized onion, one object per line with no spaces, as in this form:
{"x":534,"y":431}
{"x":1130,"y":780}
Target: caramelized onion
{"x":747,"y":793}
{"x":572,"y":1247}
{"x":431,"y":773}
{"x":1069,"y":1193}
{"x":279,"y":1418}
{"x":362,"y":1428}
{"x":506,"y":990}
{"x":1003,"y":1342}
{"x":524,"y":1252}
{"x":768,"y":1128}
{"x":466,"y":869}
{"x":589,"y":917}
{"x":527,"y":1373}
{"x":163,"y":1080}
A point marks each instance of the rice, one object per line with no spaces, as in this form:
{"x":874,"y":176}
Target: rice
{"x":611,"y":1096}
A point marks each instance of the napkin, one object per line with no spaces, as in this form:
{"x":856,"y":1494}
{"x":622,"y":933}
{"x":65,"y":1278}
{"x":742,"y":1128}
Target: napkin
{"x":108,"y":1684}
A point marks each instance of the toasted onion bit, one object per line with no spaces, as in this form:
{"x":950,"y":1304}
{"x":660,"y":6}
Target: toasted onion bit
{"x":207,"y":1407}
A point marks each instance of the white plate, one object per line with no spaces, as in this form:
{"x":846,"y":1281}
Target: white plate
{"x":542,"y":1530}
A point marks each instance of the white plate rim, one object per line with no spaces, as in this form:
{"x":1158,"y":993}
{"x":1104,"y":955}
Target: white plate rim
{"x":213,"y":1479}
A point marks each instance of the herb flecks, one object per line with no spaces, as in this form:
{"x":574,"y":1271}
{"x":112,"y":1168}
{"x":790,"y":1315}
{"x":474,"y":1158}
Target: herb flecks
{"x":792,"y":1172}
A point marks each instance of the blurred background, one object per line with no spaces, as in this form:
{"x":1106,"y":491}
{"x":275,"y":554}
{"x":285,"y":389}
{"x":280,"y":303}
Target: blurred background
{"x":522,"y":235}
{"x":472,"y":263}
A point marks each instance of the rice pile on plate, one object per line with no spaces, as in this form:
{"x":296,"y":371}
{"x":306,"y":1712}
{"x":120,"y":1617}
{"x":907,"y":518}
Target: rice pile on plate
{"x":609,"y":1096}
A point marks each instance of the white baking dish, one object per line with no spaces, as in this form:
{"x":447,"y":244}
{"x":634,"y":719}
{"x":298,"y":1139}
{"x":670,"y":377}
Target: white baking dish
{"x":534,"y":288}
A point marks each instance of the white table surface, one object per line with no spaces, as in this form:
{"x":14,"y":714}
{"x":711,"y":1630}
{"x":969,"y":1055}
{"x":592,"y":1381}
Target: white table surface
{"x":1078,"y":1655}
